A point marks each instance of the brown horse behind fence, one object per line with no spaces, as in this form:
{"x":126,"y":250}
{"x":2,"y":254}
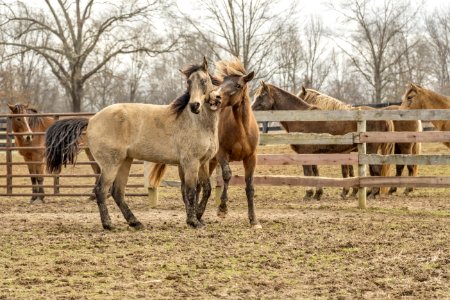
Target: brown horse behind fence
{"x":327,"y":102}
{"x":417,"y":97}
{"x":24,"y":126}
{"x":270,"y":97}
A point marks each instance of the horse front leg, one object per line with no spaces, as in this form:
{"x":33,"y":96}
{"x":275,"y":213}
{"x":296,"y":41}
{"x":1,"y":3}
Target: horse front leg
{"x":374,"y":170}
{"x":190,"y":193}
{"x":249,"y":166}
{"x":307,"y":171}
{"x":351,"y":173}
{"x":398,"y":173}
{"x":205,"y":185}
{"x":226,"y":176}
{"x":34,"y":188}
{"x":345,"y":191}
{"x":40,"y":182}
{"x":411,"y":172}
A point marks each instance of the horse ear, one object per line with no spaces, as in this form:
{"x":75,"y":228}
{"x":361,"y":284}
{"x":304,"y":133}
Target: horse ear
{"x":11,"y":107}
{"x":264,"y":86}
{"x":249,"y":76}
{"x":205,"y":64}
{"x":413,"y":87}
{"x":182,"y":72}
{"x":303,"y":89}
{"x":26,"y":105}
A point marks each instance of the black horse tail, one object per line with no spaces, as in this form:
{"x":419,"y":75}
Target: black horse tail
{"x":62,"y":143}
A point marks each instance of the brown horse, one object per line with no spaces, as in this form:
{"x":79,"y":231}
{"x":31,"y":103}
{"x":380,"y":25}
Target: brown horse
{"x":417,"y":97}
{"x":24,"y":128}
{"x":165,"y":134}
{"x":405,"y":148}
{"x":327,"y":102}
{"x":270,"y":97}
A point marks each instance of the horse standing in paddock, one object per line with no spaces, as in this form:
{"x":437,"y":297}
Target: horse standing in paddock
{"x":26,"y":126}
{"x":405,"y":148}
{"x":417,"y":97}
{"x":167,"y":134}
{"x":327,"y":102}
{"x":270,"y":97}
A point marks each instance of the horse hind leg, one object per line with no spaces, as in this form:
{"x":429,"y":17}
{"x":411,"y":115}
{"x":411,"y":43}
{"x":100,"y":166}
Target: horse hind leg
{"x":398,"y":173}
{"x":345,"y":191}
{"x":352,"y":174}
{"x":319,"y":190}
{"x":249,"y":166}
{"x":101,"y":189}
{"x":118,"y":193}
{"x":411,"y":172}
{"x":307,"y":171}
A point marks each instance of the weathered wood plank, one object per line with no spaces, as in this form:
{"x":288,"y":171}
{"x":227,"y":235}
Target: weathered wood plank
{"x":297,"y":138}
{"x":342,"y":115}
{"x":295,"y":181}
{"x":307,"y":159}
{"x":418,"y":181}
{"x":403,"y":137}
{"x":403,"y":159}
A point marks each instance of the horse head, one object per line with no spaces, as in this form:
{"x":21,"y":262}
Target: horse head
{"x":234,"y":80}
{"x":200,"y":85}
{"x":263,"y":99}
{"x":20,"y":123}
{"x":413,"y":97}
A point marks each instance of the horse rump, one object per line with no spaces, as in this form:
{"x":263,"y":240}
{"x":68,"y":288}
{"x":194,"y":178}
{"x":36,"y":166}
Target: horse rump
{"x":62,"y":143}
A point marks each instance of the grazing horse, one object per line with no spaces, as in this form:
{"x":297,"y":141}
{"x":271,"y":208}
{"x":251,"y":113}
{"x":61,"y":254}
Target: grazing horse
{"x":417,"y":97}
{"x":270,"y":97}
{"x":24,"y":125}
{"x":405,"y":148}
{"x":167,"y":134}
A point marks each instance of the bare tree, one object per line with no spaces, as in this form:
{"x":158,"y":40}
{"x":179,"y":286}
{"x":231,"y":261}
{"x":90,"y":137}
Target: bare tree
{"x":246,"y":29}
{"x":77,"y":31}
{"x":438,"y":30}
{"x":377,"y":25}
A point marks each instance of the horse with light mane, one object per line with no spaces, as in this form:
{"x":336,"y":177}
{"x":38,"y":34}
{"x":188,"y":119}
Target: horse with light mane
{"x":417,"y":97}
{"x":167,"y":134}
{"x":271,"y":97}
{"x":25,"y":125}
{"x":327,"y":102}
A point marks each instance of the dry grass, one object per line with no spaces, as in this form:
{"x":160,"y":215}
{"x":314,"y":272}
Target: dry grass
{"x":399,"y":247}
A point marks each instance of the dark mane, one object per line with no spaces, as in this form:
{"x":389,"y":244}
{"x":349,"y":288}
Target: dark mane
{"x":178,"y":105}
{"x":194,"y":68}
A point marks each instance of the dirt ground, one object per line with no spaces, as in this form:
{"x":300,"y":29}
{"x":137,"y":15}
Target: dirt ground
{"x":399,"y":247}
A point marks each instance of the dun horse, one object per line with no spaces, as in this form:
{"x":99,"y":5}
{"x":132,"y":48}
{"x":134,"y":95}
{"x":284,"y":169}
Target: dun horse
{"x":169,"y":134}
{"x":326,"y":102}
{"x":417,"y":97}
{"x":270,"y":97}
{"x":238,"y":135}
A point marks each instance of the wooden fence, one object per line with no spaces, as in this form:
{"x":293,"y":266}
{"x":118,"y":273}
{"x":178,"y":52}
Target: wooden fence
{"x":361,"y":138}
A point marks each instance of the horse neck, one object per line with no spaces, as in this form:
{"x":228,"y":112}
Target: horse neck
{"x":242,"y":114}
{"x":286,"y":101}
{"x":436,"y":101}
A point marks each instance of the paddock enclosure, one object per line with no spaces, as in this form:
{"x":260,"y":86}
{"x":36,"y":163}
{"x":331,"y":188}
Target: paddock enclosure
{"x":397,"y":247}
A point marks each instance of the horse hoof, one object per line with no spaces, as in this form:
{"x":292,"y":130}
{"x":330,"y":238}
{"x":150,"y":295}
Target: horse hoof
{"x":37,"y":201}
{"x":107,"y":226}
{"x":222,"y":213}
{"x":256,"y":226}
{"x":306,"y":198}
{"x":137,"y":225}
{"x":343,"y":197}
{"x":195,"y":224}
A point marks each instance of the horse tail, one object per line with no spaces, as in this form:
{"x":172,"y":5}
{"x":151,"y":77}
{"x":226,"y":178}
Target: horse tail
{"x":156,"y":175}
{"x":387,"y":149}
{"x":62,"y":143}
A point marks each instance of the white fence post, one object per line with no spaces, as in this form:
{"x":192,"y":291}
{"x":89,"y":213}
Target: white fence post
{"x":361,"y":167}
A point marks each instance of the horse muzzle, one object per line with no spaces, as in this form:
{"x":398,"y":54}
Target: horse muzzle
{"x":195,"y":107}
{"x":28,"y":138}
{"x":214,"y":102}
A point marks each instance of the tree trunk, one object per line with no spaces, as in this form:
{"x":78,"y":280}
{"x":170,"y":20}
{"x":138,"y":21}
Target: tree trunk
{"x":76,"y":95}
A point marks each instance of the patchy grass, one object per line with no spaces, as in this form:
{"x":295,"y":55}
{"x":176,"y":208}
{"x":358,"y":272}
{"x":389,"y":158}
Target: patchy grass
{"x":399,"y":247}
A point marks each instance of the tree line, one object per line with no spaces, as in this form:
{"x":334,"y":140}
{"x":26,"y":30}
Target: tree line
{"x":82,"y":55}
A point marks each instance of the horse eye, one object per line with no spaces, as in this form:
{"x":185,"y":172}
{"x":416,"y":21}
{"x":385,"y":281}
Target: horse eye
{"x":18,"y":119}
{"x":238,"y":86}
{"x":410,"y":97}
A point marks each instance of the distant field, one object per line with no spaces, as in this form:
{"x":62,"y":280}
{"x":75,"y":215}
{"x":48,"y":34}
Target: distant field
{"x":399,"y":247}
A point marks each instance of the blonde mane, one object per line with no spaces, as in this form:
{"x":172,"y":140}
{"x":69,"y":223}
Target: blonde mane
{"x":229,"y":67}
{"x":323,"y":101}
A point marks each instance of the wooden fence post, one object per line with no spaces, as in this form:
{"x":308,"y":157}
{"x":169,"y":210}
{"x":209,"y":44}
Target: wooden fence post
{"x":8,"y":156}
{"x":152,"y":190}
{"x":362,"y":204}
{"x":56,"y":178}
